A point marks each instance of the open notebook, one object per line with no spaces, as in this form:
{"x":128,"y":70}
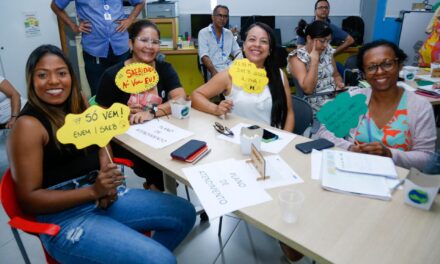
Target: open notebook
{"x":358,"y":174}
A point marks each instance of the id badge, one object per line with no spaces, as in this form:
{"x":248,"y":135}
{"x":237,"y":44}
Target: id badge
{"x":107,"y":16}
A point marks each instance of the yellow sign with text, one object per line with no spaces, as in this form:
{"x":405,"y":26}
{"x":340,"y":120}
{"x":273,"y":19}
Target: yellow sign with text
{"x":136,"y":78}
{"x":246,"y":75}
{"x":96,"y":126}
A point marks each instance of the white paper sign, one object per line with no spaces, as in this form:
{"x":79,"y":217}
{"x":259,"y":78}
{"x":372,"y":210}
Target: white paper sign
{"x":157,"y":133}
{"x":225,"y":186}
{"x":279,"y":172}
{"x":272,"y":147}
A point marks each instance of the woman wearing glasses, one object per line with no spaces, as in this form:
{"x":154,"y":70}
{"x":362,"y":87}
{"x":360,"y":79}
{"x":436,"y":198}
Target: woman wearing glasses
{"x":399,"y":124}
{"x":273,"y":106}
{"x":144,"y":42}
{"x":313,"y":64}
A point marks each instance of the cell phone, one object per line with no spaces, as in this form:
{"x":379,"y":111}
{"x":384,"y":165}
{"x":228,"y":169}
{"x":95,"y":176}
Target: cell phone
{"x":267,"y":135}
{"x":317,"y":144}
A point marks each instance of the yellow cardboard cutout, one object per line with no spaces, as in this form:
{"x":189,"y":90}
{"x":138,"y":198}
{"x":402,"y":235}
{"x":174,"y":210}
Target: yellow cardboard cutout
{"x":246,"y":75}
{"x":96,"y":125}
{"x":136,"y":78}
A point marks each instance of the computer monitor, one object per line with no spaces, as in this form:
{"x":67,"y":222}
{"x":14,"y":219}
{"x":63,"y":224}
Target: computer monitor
{"x":246,"y":21}
{"x":199,"y":21}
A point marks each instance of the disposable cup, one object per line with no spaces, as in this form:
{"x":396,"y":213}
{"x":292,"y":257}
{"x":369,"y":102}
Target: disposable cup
{"x":290,"y":202}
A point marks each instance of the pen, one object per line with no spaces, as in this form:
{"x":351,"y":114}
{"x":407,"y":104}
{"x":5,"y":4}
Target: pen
{"x":201,"y":156}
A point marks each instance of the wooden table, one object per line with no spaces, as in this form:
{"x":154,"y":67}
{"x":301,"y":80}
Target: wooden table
{"x":332,"y":227}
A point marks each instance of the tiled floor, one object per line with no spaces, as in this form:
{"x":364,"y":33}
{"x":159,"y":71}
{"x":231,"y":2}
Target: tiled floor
{"x":239,"y":242}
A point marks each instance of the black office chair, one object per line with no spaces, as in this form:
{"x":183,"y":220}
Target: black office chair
{"x":202,"y":68}
{"x":303,"y":115}
{"x":352,"y":75}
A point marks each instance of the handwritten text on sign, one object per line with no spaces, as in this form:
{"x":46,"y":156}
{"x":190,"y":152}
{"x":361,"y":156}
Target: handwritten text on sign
{"x":136,"y":78}
{"x":225,"y":186}
{"x":94,"y":126}
{"x":157,"y":133}
{"x":342,"y":113}
{"x":246,"y":75}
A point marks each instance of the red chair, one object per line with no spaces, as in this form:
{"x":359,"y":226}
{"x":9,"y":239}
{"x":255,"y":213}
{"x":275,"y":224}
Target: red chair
{"x":27,"y":223}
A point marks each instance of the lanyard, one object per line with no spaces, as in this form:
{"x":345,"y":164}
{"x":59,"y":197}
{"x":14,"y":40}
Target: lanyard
{"x":217,"y":40}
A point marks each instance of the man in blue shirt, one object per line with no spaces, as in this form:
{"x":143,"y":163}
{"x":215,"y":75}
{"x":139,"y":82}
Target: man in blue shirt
{"x":217,"y":45}
{"x":340,"y":38}
{"x":104,"y":39}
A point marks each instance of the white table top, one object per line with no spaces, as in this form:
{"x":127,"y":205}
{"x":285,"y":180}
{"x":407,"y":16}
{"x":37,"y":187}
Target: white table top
{"x":332,"y":227}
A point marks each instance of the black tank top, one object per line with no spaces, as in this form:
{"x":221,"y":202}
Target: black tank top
{"x":63,"y":164}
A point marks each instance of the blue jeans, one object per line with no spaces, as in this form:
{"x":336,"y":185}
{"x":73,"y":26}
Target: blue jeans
{"x":115,"y":235}
{"x":95,"y":67}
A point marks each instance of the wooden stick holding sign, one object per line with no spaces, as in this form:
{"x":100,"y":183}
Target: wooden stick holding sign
{"x":259,"y":163}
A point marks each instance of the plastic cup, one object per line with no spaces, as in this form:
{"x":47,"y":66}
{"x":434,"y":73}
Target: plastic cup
{"x":435,"y":69}
{"x":290,"y":202}
{"x":180,"y":108}
{"x":246,"y":143}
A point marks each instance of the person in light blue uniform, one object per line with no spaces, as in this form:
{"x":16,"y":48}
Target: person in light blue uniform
{"x":103,"y":25}
{"x":217,"y":45}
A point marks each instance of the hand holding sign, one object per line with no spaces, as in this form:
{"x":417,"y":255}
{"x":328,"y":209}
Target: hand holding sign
{"x":94,"y":126}
{"x":342,"y":113}
{"x":136,"y":78}
{"x":246,"y":75}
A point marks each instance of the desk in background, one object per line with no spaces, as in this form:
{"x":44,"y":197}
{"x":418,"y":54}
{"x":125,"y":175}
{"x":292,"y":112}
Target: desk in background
{"x":185,"y":63}
{"x":332,"y":227}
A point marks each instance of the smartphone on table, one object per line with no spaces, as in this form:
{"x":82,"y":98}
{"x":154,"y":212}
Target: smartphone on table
{"x":317,"y":144}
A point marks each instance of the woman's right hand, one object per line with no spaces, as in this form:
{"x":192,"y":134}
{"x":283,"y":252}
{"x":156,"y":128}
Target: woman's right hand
{"x":223,"y":107}
{"x":107,"y":180}
{"x":315,"y":53}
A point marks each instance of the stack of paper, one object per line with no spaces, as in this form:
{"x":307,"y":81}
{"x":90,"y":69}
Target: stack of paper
{"x":359,"y":174}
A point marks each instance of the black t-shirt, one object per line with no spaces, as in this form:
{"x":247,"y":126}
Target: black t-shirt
{"x":108,"y":93}
{"x":60,"y":165}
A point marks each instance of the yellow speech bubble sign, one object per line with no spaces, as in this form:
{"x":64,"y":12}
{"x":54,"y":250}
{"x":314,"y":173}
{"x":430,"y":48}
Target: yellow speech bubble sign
{"x":246,"y":75}
{"x":96,"y":125}
{"x":136,"y":78}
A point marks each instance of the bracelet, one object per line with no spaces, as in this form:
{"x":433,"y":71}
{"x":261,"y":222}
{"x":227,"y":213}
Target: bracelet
{"x":14,"y":116}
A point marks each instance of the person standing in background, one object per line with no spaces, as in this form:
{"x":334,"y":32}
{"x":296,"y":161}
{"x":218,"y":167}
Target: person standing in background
{"x":104,"y":39}
{"x":217,"y":45}
{"x":339,"y":37}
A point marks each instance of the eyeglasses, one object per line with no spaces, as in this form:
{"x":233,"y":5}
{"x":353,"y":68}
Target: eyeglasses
{"x":223,"y":129}
{"x":323,"y":7}
{"x":386,"y":65}
{"x":149,"y":41}
{"x":222,"y":16}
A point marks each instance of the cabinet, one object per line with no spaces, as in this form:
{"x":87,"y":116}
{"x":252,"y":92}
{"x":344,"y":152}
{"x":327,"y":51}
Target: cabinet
{"x":169,"y":29}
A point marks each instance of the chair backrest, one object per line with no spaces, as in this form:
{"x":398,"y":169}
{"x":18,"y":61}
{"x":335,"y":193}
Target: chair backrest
{"x":354,"y":26}
{"x":303,"y":114}
{"x":8,"y":197}
{"x":298,"y":89}
{"x":351,"y":62}
{"x":203,"y":70}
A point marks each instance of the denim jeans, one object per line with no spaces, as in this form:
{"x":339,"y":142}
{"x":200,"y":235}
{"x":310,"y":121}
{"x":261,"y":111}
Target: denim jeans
{"x":95,"y":67}
{"x":115,"y":235}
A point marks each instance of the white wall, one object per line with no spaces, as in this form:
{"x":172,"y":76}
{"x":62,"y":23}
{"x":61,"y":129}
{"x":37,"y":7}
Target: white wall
{"x":269,"y":8}
{"x":15,"y":45}
{"x":395,"y":6}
